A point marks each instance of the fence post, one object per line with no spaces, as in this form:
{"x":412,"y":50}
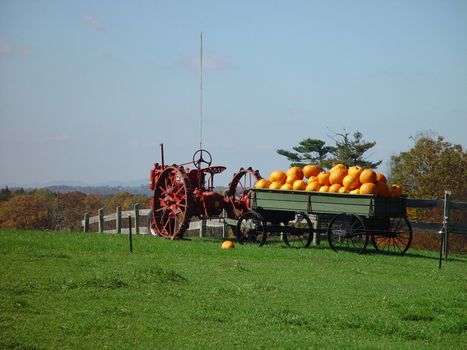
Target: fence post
{"x":447,"y":205}
{"x":202,"y":228}
{"x":316,"y":230}
{"x":118,"y":220}
{"x":86,"y":222}
{"x":129,"y":233}
{"x":100,"y":213}
{"x":136,"y":210}
{"x":225,"y":230}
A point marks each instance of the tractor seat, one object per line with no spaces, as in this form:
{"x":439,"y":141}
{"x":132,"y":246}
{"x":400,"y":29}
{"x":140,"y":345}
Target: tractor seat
{"x":213,"y":169}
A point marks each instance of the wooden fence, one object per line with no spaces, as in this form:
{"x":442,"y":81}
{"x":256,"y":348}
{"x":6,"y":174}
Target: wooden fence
{"x":140,"y":221}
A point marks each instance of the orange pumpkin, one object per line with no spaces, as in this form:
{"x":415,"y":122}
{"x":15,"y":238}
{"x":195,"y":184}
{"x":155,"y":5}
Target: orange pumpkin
{"x":380,"y":177}
{"x":337,"y":176}
{"x":299,"y":185}
{"x":368,"y":188}
{"x":296,"y":172}
{"x":311,"y":170}
{"x":367,"y":176}
{"x":278,"y":176}
{"x":343,"y":190}
{"x":262,"y":183}
{"x":395,"y":191}
{"x":323,"y":178}
{"x":335,"y":188}
{"x":382,"y":190}
{"x":351,"y":182}
{"x":355,"y":170}
{"x":313,"y":186}
{"x":275,"y":185}
{"x":338,"y":166}
{"x":227,"y":245}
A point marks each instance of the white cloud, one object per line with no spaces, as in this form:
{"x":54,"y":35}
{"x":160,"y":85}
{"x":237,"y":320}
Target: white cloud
{"x":210,"y":63}
{"x":7,"y":50}
{"x":93,"y":23}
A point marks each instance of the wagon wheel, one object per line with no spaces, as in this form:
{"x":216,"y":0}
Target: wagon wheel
{"x":397,"y":239}
{"x":347,"y":232}
{"x":301,"y":232}
{"x":251,"y":228}
{"x":237,"y":196}
{"x":172,"y":203}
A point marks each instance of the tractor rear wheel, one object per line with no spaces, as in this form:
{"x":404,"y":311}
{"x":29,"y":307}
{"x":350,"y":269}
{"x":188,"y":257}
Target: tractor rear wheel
{"x":173,"y":203}
{"x":237,"y":196}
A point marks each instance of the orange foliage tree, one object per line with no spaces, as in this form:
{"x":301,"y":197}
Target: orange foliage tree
{"x":26,"y":212}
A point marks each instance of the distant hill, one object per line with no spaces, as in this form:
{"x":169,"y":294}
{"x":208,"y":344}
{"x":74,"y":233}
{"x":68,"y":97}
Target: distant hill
{"x":103,"y":190}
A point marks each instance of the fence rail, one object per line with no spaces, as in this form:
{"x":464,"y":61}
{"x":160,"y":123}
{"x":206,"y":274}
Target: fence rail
{"x":140,"y":222}
{"x":139,"y":218}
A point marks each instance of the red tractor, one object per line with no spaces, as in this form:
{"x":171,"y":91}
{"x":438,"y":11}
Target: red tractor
{"x":181,"y":193}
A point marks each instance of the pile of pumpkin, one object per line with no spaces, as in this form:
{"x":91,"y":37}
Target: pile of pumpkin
{"x":339,"y":179}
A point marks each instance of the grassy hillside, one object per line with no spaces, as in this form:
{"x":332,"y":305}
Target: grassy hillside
{"x":86,"y":291}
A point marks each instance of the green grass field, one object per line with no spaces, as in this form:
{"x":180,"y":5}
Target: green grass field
{"x":86,"y":291}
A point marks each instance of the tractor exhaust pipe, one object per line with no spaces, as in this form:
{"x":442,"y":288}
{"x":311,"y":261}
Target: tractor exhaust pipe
{"x":162,"y":154}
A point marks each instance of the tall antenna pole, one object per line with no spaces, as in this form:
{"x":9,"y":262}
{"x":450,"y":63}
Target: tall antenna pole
{"x":201,"y":95}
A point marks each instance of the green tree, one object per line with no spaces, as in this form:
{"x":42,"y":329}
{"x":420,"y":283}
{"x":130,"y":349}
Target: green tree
{"x":430,"y":167}
{"x":308,"y":151}
{"x":349,"y":150}
{"x":5,"y":194}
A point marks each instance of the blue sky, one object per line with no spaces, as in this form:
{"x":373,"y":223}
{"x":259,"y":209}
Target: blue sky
{"x":89,"y":89}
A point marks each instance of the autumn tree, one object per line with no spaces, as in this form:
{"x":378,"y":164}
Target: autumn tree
{"x":93,"y":202}
{"x":26,"y":212}
{"x":430,"y":167}
{"x":71,"y":207}
{"x":425,"y":171}
{"x":126,"y":200}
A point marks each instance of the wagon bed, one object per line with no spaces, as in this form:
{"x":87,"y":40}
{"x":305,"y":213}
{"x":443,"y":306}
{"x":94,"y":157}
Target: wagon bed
{"x":352,"y":220}
{"x":327,"y":203}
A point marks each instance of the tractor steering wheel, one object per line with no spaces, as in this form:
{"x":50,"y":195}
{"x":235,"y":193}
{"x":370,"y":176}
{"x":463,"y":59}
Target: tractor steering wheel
{"x":198,"y":161}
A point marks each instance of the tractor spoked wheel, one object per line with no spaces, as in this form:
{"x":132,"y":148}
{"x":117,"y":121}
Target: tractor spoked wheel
{"x":237,"y":196}
{"x":172,"y":203}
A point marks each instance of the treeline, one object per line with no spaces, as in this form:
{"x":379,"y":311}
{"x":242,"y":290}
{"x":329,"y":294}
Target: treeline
{"x":43,"y":209}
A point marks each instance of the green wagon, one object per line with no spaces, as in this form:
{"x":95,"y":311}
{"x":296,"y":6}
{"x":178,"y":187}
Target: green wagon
{"x":350,"y":221}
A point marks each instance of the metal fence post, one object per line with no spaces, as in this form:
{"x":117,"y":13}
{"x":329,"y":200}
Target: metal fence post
{"x":100,"y":213}
{"x":447,"y":205}
{"x":130,"y":238}
{"x":136,"y":210}
{"x":118,"y":220}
